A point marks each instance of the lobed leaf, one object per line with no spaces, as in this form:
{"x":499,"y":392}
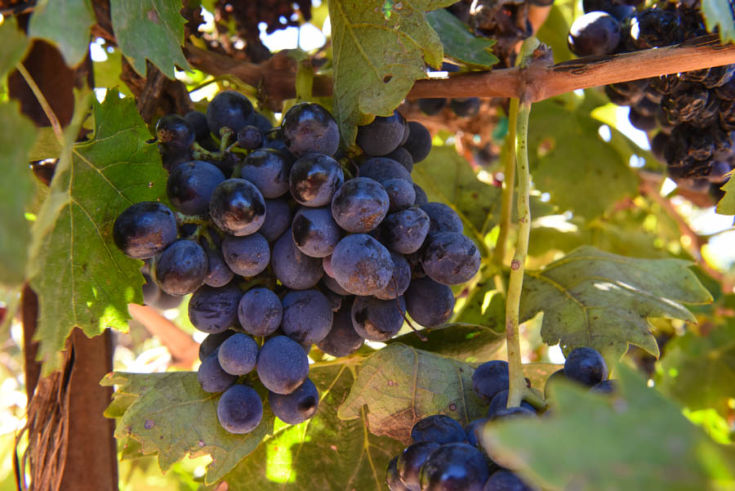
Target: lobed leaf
{"x":602,"y":300}
{"x":14,"y":43}
{"x":459,"y":43}
{"x":726,"y":206}
{"x":718,"y":15}
{"x":66,"y":23}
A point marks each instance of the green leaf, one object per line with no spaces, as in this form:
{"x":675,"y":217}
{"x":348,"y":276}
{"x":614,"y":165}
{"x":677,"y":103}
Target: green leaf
{"x":152,"y":30}
{"x":469,"y":343}
{"x":593,"y":298}
{"x":14,"y":45}
{"x":379,"y":49}
{"x":555,"y":30}
{"x":323,"y":453}
{"x":718,"y":15}
{"x":699,"y":371}
{"x":590,"y":442}
{"x":726,"y":206}
{"x":81,"y":278}
{"x":401,"y":385}
{"x":449,"y":178}
{"x":459,"y":43}
{"x":573,"y":164}
{"x":16,"y":188}
{"x":171,"y":416}
{"x":46,"y":146}
{"x":66,"y":23}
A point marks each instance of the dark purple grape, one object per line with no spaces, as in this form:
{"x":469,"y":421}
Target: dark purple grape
{"x":399,"y":281}
{"x":382,"y":136}
{"x":419,"y":141}
{"x":404,"y":231}
{"x":454,"y":466}
{"x":410,"y":462}
{"x":500,"y":402}
{"x":218,"y":273}
{"x":212,"y":342}
{"x":307,"y":316}
{"x":237,"y":207}
{"x":490,"y":378}
{"x":378,"y":320}
{"x":246,"y":256}
{"x":432,"y":106}
{"x":429,"y":303}
{"x":249,"y":137}
{"x":174,"y":131}
{"x":442,"y":218}
{"x":190,"y":186}
{"x":198,"y":122}
{"x":402,"y":156}
{"x":213,"y":310}
{"x":594,"y":34}
{"x":293,"y":268}
{"x":342,"y":339}
{"x":401,"y":194}
{"x":505,"y":480}
{"x":465,"y":107}
{"x":268,"y":169}
{"x":308,"y":127}
{"x":612,"y":7}
{"x":260,"y":312}
{"x":421,"y":198}
{"x":334,"y":287}
{"x":240,"y":409}
{"x":211,"y":376}
{"x":381,"y":169}
{"x":282,"y":365}
{"x":277,"y":219}
{"x":659,"y":144}
{"x":315,"y":232}
{"x":228,"y":109}
{"x":296,"y":407}
{"x":181,"y":267}
{"x":437,"y":428}
{"x":450,"y":258}
{"x":655,"y":27}
{"x":361,"y":265}
{"x":144,"y":229}
{"x":513,"y":412}
{"x":314,"y":178}
{"x":586,"y":366}
{"x":360,"y":205}
{"x":473,"y":431}
{"x":641,"y":121}
{"x":391,"y":477}
{"x":237,"y":354}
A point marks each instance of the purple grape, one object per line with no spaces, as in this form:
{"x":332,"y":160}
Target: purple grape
{"x":260,"y":312}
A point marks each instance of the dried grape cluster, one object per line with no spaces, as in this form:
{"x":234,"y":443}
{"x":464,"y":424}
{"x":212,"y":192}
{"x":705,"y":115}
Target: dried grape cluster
{"x":694,"y":112}
{"x":445,"y":456}
{"x":283,"y":250}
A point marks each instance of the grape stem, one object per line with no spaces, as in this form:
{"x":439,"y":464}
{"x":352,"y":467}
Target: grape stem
{"x":517,"y":383}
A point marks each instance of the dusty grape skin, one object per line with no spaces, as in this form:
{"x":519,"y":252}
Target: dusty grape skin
{"x":450,"y":258}
{"x":442,"y":218}
{"x":378,"y":320}
{"x":213,"y":310}
{"x":361,"y":265}
{"x":490,"y":378}
{"x":429,"y":303}
{"x":342,"y":338}
{"x":144,"y":229}
{"x":315,"y":232}
{"x":218,"y":273}
{"x":237,"y":207}
{"x":191,"y":184}
{"x":383,"y":135}
{"x":211,"y":376}
{"x":298,"y":406}
{"x":268,"y":169}
{"x":401,"y":194}
{"x":437,"y":428}
{"x":314,"y":178}
{"x":405,"y":231}
{"x":419,"y":141}
{"x":308,"y":127}
{"x":293,"y":268}
{"x":260,"y":312}
{"x":181,"y":267}
{"x":586,"y":366}
{"x":307,"y":316}
{"x":237,"y":354}
{"x":240,"y":409}
{"x":282,"y":365}
{"x":228,"y":109}
{"x":400,"y":279}
{"x":277,"y":219}
{"x":381,"y":169}
{"x":246,"y":256}
{"x":212,"y":342}
{"x":360,"y":205}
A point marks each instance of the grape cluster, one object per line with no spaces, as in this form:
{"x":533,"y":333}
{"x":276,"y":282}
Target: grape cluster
{"x":693,"y":111}
{"x":445,"y":456}
{"x":282,"y":250}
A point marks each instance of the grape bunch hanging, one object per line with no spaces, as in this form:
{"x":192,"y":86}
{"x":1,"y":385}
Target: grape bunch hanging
{"x":283,"y":246}
{"x":694,"y":111}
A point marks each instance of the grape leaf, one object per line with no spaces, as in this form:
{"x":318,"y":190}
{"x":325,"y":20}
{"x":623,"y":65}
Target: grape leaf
{"x":718,"y":15}
{"x":14,"y":45}
{"x":379,"y":49}
{"x":449,"y":178}
{"x":459,"y":43}
{"x":593,"y":298}
{"x":639,"y":441}
{"x":17,"y":135}
{"x":564,"y":142}
{"x":81,"y":278}
{"x":469,"y":343}
{"x":152,"y":30}
{"x":699,"y":371}
{"x":66,"y":23}
{"x":171,"y":416}
{"x":726,"y":206}
{"x":325,"y":452}
{"x":400,"y":385}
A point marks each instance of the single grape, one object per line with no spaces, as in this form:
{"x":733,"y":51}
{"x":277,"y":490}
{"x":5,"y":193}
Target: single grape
{"x":314,"y":178}
{"x":442,"y":218}
{"x":249,"y":137}
{"x":402,"y":156}
{"x":383,"y":135}
{"x":454,"y":466}
{"x":296,"y":407}
{"x":308,"y":127}
{"x":218,"y":273}
{"x":307,"y":316}
{"x":144,"y":229}
{"x":505,"y":480}
{"x":378,"y":320}
{"x":211,"y":376}
{"x":419,"y":141}
{"x":404,"y":231}
{"x":450,"y":258}
{"x":212,"y":342}
{"x":174,"y":131}
{"x":381,"y":169}
{"x":361,"y":265}
{"x":473,"y":430}
{"x":431,"y":107}
{"x":360,"y":205}
{"x":268,"y":169}
{"x":277,"y":219}
{"x":594,"y":34}
{"x":198,"y":122}
{"x":342,"y":339}
{"x":228,"y":109}
{"x":421,"y":198}
{"x":410,"y":462}
{"x":282,"y":365}
{"x":500,"y":402}
{"x":465,"y":107}
{"x":237,"y":354}
{"x":261,"y":122}
{"x":641,"y":121}
{"x":315,"y":232}
{"x":437,"y":428}
{"x":429,"y":303}
{"x":237,"y":207}
{"x":392,"y":479}
{"x":586,"y":366}
{"x":240,"y":409}
{"x":181,"y":267}
{"x":191,"y":184}
{"x":490,"y":378}
{"x":260,"y":312}
{"x":293,"y":268}
{"x":334,"y":299}
{"x":213,"y":310}
{"x":327,"y":266}
{"x":401,"y":194}
{"x":399,"y":281}
{"x":246,"y":256}
{"x":173,"y":156}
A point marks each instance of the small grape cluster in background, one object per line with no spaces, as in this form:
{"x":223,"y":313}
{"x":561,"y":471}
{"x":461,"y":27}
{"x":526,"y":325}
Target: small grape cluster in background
{"x":283,"y":246}
{"x":694,"y":111}
{"x":445,"y":456}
